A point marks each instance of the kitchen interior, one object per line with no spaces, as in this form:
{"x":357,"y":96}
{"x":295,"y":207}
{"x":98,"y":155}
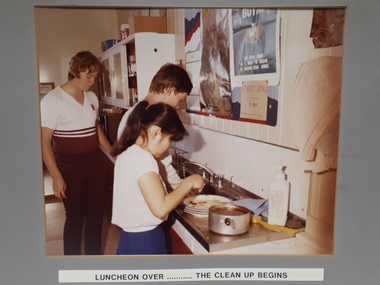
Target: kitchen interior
{"x":237,"y":151}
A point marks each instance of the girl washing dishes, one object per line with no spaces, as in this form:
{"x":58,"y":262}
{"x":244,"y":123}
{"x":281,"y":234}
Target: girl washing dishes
{"x":141,"y":202}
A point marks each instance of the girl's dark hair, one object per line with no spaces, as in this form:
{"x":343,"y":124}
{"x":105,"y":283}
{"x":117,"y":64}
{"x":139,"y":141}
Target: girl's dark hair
{"x":171,"y":75}
{"x":84,"y":61}
{"x":142,"y":117}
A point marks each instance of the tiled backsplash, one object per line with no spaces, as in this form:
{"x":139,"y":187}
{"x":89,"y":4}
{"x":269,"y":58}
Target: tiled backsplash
{"x":250,"y":164}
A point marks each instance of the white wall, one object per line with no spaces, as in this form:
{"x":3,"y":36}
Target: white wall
{"x":61,"y":33}
{"x":176,"y":26}
{"x":249,"y":163}
{"x":249,"y":151}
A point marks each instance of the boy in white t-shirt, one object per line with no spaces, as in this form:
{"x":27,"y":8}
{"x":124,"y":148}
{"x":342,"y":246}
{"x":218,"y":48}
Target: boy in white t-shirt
{"x":171,"y":85}
{"x":70,"y":146}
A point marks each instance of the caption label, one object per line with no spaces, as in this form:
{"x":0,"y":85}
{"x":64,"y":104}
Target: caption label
{"x":125,"y":276}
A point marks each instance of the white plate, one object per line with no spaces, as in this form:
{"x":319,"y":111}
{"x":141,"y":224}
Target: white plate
{"x":204,"y":202}
{"x":200,"y":214}
{"x":192,"y":210}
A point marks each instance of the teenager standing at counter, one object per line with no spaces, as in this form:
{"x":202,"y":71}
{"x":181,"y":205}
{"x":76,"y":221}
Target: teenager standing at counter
{"x":70,"y":147}
{"x":140,"y":202}
{"x":171,"y":85}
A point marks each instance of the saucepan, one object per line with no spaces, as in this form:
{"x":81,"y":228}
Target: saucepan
{"x":228,"y":219}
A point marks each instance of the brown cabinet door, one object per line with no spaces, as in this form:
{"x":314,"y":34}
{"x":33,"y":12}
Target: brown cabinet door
{"x":178,"y":246}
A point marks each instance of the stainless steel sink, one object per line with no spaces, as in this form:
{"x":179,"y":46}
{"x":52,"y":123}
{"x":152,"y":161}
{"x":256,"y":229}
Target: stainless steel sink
{"x":198,"y":225}
{"x":215,"y":184}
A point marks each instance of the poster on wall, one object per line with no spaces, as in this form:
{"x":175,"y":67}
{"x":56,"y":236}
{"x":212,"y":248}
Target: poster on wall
{"x":192,"y":55}
{"x":256,"y":43}
{"x":214,"y":77}
{"x":254,"y":100}
{"x":208,"y":40}
{"x":240,"y":104}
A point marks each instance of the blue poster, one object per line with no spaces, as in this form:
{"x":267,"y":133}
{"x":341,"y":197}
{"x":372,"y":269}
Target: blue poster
{"x":255,"y":41}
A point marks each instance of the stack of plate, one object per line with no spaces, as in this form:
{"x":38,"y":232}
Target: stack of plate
{"x":199,"y":205}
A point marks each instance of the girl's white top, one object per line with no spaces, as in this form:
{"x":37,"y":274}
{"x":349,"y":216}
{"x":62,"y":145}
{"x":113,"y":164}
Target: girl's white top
{"x":129,"y":209}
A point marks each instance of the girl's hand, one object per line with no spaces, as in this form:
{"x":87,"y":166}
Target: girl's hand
{"x":196,"y":181}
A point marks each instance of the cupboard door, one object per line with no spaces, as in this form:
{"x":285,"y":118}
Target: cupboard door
{"x":152,"y":51}
{"x":106,"y":80}
{"x":114,"y":77}
{"x":119,"y":75}
{"x":178,"y":246}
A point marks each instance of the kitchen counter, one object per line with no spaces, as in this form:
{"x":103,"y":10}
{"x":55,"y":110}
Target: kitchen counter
{"x":286,"y":246}
{"x":195,"y":232}
{"x":197,"y":226}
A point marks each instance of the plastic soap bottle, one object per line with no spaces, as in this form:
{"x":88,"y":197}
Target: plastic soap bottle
{"x":278,"y":198}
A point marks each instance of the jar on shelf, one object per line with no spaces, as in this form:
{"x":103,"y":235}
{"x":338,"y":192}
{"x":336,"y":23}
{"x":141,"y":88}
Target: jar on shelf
{"x":132,"y":66}
{"x":132,"y":82}
{"x":133,"y":96}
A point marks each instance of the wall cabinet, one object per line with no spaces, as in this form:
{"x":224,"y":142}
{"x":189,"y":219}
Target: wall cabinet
{"x":129,"y":66}
{"x":114,"y":90}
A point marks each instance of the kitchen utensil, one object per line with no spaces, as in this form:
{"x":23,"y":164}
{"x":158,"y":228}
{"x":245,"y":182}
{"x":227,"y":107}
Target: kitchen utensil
{"x":228,"y":219}
{"x":257,"y":220}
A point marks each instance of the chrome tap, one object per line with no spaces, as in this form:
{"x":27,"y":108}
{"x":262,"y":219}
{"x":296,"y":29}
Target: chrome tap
{"x":220,"y":179}
{"x":203,"y":167}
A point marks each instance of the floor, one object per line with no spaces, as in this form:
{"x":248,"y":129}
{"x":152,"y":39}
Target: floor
{"x":55,"y":218}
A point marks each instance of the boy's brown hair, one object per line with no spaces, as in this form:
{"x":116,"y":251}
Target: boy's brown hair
{"x":171,"y":75}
